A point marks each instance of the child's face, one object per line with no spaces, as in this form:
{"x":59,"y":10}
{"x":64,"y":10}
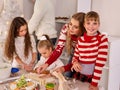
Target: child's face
{"x":45,"y":52}
{"x":22,"y":31}
{"x":91,"y":27}
{"x":74,"y":27}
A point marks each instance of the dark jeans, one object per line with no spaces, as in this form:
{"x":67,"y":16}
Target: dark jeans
{"x":53,"y":41}
{"x":69,"y":73}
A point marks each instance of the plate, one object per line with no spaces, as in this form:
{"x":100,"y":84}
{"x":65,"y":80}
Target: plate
{"x":31,"y":84}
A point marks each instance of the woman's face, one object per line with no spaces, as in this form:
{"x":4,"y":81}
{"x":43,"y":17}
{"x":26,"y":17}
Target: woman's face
{"x":22,"y":31}
{"x":74,"y":27}
{"x":45,"y":52}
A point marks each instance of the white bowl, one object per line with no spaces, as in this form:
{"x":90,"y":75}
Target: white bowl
{"x":5,"y":70}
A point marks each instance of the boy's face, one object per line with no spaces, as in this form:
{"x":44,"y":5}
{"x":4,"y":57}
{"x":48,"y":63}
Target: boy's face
{"x":22,"y":31}
{"x":45,"y":52}
{"x":91,"y":27}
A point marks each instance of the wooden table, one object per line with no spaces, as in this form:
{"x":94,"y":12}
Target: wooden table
{"x":71,"y":83}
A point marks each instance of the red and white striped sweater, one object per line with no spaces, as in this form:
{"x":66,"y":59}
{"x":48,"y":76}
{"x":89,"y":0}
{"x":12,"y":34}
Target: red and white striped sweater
{"x":61,"y":44}
{"x":92,"y":49}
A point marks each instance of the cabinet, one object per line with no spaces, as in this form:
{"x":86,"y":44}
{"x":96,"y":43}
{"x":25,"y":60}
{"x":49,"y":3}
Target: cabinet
{"x":111,"y":72}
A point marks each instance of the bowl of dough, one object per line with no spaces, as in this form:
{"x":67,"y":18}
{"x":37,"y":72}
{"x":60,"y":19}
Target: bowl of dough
{"x":5,"y":70}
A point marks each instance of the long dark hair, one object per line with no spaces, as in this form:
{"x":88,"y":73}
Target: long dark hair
{"x":12,"y":34}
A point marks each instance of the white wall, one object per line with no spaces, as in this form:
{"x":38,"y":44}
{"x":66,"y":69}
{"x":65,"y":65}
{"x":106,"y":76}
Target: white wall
{"x":83,"y":5}
{"x":65,"y":7}
{"x":109,"y":14}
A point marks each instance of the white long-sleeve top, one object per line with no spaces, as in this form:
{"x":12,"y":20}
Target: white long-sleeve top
{"x":19,"y":46}
{"x":43,"y":19}
{"x":54,"y":65}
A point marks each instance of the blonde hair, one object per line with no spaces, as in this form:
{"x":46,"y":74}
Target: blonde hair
{"x":92,"y":16}
{"x":45,"y":43}
{"x":80,"y":18}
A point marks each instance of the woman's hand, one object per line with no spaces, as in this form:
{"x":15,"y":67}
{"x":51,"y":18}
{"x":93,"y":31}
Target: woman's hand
{"x":42,"y":68}
{"x":91,"y":87}
{"x":76,"y":66}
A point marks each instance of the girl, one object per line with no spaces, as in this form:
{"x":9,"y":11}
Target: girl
{"x":20,"y":46}
{"x":91,"y":52}
{"x":67,"y":39}
{"x":45,"y":48}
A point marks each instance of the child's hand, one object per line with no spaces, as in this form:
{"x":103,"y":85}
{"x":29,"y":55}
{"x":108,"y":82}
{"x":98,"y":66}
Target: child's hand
{"x":60,"y":69}
{"x":31,"y":65}
{"x":91,"y":87}
{"x":42,"y":68}
{"x":76,"y":66}
{"x":28,"y":67}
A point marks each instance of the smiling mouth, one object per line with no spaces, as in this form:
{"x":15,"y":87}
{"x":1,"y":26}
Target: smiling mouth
{"x":91,"y":30}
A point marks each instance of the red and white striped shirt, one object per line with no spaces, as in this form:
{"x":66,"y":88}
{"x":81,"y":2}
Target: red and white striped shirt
{"x":61,"y":44}
{"x":92,"y":50}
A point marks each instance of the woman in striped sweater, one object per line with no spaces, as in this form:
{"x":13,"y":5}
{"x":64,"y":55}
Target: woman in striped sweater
{"x":67,"y":39}
{"x":91,"y":51}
